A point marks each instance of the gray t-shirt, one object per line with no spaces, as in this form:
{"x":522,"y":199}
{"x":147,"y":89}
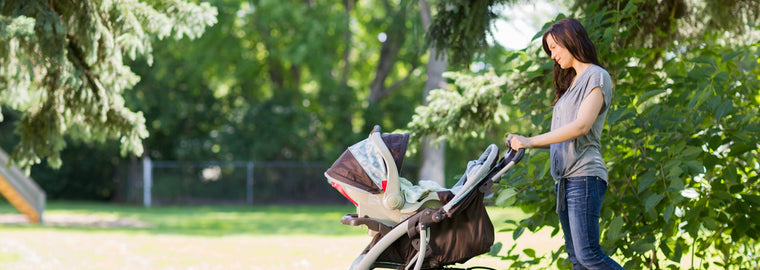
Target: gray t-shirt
{"x":581,"y":156}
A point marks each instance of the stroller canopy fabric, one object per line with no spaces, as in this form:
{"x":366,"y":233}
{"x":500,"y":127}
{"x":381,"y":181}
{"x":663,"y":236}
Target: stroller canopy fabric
{"x":362,"y":165}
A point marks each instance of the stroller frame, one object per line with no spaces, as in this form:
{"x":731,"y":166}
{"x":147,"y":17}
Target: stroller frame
{"x":398,"y":224}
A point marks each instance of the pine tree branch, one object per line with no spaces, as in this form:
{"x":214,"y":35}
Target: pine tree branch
{"x":76,"y":56}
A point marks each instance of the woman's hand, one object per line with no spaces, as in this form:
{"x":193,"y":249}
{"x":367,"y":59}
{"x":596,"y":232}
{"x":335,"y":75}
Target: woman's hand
{"x":517,"y":142}
{"x":585,"y":118}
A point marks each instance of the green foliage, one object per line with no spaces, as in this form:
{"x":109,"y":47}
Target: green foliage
{"x":679,"y":143}
{"x":274,"y":81}
{"x":89,"y":173}
{"x":462,"y":28}
{"x":450,"y":115}
{"x":270,"y":80}
{"x":63,"y":68}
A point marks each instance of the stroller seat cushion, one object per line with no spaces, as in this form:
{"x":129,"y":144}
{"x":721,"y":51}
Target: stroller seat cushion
{"x":416,"y":193}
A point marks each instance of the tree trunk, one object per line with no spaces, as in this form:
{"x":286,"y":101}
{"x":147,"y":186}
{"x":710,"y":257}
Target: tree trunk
{"x":389,"y":51}
{"x":433,"y":154}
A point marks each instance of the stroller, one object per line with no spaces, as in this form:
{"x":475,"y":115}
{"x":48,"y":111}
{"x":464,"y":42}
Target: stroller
{"x":422,"y":226}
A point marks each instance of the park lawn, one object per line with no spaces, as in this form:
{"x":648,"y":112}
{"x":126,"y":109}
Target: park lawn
{"x":111,"y":236}
{"x":195,"y":220}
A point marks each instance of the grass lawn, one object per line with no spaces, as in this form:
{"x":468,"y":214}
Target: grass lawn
{"x":110,"y":236}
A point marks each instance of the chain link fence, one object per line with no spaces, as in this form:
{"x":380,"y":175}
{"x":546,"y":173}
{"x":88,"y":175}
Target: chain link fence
{"x":228,"y":182}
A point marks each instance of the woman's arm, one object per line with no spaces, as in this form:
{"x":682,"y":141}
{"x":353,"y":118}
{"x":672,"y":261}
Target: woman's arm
{"x":587,"y":113}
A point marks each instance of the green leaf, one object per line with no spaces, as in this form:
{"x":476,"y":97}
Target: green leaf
{"x":710,"y":161}
{"x":495,"y":249}
{"x":730,"y":175}
{"x":642,"y":246}
{"x":511,"y":56}
{"x":677,"y":252}
{"x":720,"y":78}
{"x":690,"y":152}
{"x":646,"y":96}
{"x":613,"y":231}
{"x":730,"y":55}
{"x":646,"y":180}
{"x":692,"y":227}
{"x":620,"y":115}
{"x":652,"y":201}
{"x":506,"y":197}
{"x":700,"y":72}
{"x":674,"y":172}
{"x":530,"y":252}
{"x":739,"y":149}
{"x":676,"y":184}
{"x":751,"y":199}
{"x":741,"y":225}
{"x":726,"y":107}
{"x":705,"y":60}
{"x":734,"y":189}
{"x":699,"y":96}
{"x":695,"y":166}
{"x":710,"y":223}
{"x":668,"y":212}
{"x":517,"y":233}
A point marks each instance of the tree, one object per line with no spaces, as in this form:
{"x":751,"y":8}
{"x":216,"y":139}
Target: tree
{"x":63,"y":68}
{"x":683,"y":181}
{"x":433,"y":154}
{"x":284,"y":82}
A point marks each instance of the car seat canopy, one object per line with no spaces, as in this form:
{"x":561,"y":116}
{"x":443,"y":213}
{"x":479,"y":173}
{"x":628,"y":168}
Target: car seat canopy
{"x":362,"y":166}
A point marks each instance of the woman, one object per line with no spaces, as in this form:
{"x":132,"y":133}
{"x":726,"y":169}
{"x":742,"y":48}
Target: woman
{"x":583,"y":91}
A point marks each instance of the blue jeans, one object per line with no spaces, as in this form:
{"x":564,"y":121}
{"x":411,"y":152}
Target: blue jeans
{"x":580,"y":222}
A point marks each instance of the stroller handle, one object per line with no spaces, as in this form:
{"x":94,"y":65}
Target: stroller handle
{"x":511,"y":158}
{"x":518,"y":156}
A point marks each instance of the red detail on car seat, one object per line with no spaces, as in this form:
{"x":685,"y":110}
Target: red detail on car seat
{"x":385,"y":184}
{"x":340,"y":189}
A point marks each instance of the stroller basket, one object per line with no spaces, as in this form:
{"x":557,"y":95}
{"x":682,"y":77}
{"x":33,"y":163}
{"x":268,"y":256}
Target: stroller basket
{"x":424,"y":226}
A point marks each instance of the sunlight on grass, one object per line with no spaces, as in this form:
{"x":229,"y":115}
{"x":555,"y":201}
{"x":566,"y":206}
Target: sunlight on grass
{"x":219,"y":220}
{"x":216,"y":220}
{"x":202,"y":220}
{"x":199,"y":237}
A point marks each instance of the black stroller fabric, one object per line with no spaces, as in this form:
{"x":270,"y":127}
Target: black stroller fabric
{"x":467,"y":233}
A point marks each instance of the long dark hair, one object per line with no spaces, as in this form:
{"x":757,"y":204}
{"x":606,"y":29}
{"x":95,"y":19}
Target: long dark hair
{"x":571,"y":35}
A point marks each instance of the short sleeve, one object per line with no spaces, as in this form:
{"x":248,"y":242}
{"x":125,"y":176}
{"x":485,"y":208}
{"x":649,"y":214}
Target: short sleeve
{"x":600,"y":78}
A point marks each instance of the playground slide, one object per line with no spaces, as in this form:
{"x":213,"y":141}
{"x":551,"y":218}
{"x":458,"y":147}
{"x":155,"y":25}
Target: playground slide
{"x":21,"y":191}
